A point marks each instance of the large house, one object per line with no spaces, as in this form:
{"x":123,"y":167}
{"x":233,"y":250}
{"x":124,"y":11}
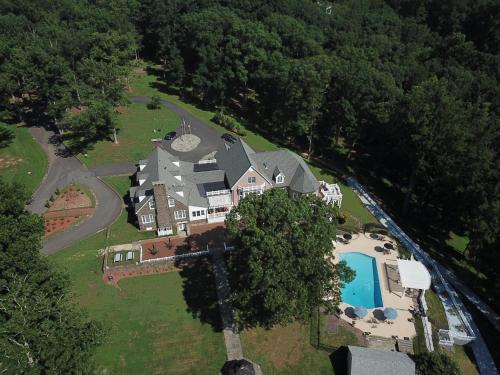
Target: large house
{"x":172,"y":195}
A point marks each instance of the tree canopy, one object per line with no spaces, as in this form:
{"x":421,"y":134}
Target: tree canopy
{"x":437,"y":363}
{"x":41,"y":331}
{"x":281,"y":268}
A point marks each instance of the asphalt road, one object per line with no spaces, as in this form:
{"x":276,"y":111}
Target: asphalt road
{"x":65,"y":169}
{"x":210,"y":139}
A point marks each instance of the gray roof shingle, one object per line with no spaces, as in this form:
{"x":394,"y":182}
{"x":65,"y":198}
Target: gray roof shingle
{"x":235,"y":160}
{"x":379,"y":362}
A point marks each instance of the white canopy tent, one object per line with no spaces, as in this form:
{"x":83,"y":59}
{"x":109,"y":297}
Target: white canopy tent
{"x":413,"y":275}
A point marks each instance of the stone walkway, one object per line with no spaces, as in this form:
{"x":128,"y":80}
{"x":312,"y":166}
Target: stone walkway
{"x":231,"y":336}
{"x":482,"y":355}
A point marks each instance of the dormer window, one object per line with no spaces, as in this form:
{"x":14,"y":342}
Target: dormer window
{"x":280,"y":179}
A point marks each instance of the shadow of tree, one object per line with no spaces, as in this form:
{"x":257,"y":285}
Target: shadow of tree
{"x":6,"y":137}
{"x":338,"y":360}
{"x":199,"y":291}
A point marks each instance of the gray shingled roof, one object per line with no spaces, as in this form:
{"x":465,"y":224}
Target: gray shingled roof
{"x":160,"y":167}
{"x":379,"y":362}
{"x":235,"y":160}
{"x":232,"y":163}
{"x":297,"y":174}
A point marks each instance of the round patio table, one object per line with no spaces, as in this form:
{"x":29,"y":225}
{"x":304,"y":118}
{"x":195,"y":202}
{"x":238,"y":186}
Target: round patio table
{"x":389,"y":246}
{"x":347,"y":236}
{"x":375,"y":236}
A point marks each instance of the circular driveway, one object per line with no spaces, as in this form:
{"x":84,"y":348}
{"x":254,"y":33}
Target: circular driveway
{"x":210,"y":139}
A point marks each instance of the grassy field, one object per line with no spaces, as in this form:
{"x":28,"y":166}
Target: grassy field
{"x":285,"y":350}
{"x":149,"y":329}
{"x":21,"y":156}
{"x":136,"y":126}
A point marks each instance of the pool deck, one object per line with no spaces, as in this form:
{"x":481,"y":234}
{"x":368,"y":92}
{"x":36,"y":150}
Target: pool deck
{"x":401,"y":326}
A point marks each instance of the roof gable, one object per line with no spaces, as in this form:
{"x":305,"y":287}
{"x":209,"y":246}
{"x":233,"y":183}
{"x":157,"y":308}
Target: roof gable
{"x":235,"y":160}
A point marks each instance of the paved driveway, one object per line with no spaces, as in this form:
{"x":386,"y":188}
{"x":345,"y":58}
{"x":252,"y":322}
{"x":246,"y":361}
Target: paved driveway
{"x":65,"y":169}
{"x":210,"y":139}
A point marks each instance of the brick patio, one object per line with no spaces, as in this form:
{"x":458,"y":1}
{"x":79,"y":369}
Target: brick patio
{"x":213,"y":235}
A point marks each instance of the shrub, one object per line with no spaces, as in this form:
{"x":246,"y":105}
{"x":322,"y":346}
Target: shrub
{"x":228,"y":122}
{"x":57,"y":191}
{"x":47,"y":204}
{"x":343,"y":217}
{"x":52,"y":198}
{"x":155,"y":102}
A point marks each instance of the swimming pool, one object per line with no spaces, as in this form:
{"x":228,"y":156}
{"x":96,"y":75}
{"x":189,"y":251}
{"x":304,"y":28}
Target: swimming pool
{"x":364,"y":290}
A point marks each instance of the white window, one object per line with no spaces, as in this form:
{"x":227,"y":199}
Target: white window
{"x":147,"y":219}
{"x":198,"y":213}
{"x":251,"y":180}
{"x":280,"y":179}
{"x":171,"y":202}
{"x":254,"y":189}
{"x":152,"y":204}
{"x":181,"y":214}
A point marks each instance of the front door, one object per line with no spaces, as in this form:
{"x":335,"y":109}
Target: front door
{"x":182,"y":227}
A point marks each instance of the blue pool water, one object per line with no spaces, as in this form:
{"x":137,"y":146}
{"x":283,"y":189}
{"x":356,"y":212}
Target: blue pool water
{"x":364,"y":290}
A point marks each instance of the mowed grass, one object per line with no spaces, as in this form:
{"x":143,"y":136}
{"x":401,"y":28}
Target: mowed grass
{"x":148,"y":329}
{"x":21,"y":156}
{"x":135,"y":132}
{"x":285,"y":350}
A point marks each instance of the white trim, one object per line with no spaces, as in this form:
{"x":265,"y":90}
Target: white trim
{"x":252,"y":170}
{"x":151,"y":218}
{"x":140,"y":200}
{"x":280,"y":178}
{"x":152,"y":204}
{"x":178,"y":216}
{"x":170,"y":200}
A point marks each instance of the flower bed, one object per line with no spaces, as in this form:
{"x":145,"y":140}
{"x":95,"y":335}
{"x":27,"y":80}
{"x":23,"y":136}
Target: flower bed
{"x":72,"y":196}
{"x":58,"y":224}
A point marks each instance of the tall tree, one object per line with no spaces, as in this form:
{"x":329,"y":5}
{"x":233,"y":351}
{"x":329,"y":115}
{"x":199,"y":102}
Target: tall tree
{"x":40,"y":330}
{"x":281,"y":268}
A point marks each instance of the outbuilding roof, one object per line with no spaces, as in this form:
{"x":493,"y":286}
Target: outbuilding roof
{"x":366,"y":361}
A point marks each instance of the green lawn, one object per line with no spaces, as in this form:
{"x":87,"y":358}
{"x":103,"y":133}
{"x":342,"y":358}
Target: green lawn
{"x":285,"y":350}
{"x":147,"y":326}
{"x":24,"y":155}
{"x":136,"y":126}
{"x":437,"y":315}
